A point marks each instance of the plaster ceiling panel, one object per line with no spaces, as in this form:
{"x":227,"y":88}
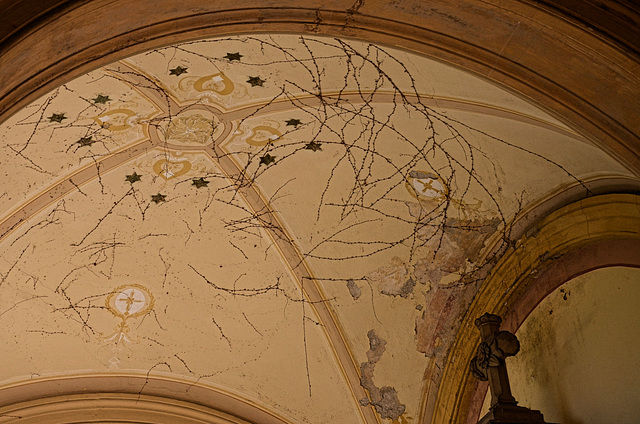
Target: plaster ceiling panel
{"x":395,"y":231}
{"x":72,"y":128}
{"x":149,"y":277}
{"x":237,"y":71}
{"x":363,"y":189}
{"x":162,"y":214}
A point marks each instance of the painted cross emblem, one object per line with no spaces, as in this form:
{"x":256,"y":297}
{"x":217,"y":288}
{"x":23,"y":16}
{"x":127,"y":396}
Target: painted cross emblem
{"x":132,"y":300}
{"x":426,"y":185}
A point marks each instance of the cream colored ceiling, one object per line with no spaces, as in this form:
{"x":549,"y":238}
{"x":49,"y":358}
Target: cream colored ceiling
{"x":298,"y":206}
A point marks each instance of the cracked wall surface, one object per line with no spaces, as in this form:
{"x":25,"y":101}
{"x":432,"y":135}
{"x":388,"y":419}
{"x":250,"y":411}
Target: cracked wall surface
{"x":263,"y":213}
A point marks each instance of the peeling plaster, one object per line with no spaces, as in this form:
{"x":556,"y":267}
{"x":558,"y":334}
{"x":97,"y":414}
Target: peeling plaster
{"x":153,"y":180}
{"x":394,"y":279}
{"x":354,"y":290}
{"x":454,"y":279}
{"x":384,"y":399}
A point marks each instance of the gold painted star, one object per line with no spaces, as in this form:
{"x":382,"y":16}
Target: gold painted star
{"x":157,"y":198}
{"x":267,"y":159}
{"x":177,"y":71}
{"x":294,"y":122}
{"x":85,"y":141}
{"x":101,"y":99}
{"x":233,"y":56}
{"x":255,"y":81}
{"x":135,"y":177}
{"x":200,"y":182}
{"x":57,"y":117}
{"x":313,"y":145}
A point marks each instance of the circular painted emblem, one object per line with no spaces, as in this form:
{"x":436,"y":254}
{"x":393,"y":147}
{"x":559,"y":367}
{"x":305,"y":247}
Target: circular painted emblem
{"x":194,"y":129}
{"x":131,"y":300}
{"x":426,"y":185}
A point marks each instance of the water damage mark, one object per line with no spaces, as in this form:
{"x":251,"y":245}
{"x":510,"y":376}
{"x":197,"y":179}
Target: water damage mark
{"x":395,"y":279}
{"x":454,"y":277}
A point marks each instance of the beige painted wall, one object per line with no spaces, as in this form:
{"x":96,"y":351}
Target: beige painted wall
{"x":580,"y":351}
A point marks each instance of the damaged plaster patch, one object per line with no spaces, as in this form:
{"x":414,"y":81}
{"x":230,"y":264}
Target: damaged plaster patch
{"x":395,"y":279}
{"x":354,"y":290}
{"x":454,"y":272}
{"x":384,"y":399}
{"x":454,"y":253}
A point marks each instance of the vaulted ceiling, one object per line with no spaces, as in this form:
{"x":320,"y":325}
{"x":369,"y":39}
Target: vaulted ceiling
{"x":298,"y":221}
{"x":293,"y":225}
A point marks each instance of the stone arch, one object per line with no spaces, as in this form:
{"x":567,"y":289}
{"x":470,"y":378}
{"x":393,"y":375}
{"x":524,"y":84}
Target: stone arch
{"x":506,"y":46}
{"x":130,"y":398}
{"x":596,"y":232}
{"x":47,"y":44}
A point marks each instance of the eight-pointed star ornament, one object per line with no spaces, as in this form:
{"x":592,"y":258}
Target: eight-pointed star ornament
{"x":255,"y":81}
{"x":57,"y":117}
{"x":157,"y":198}
{"x":313,"y":145}
{"x":177,"y":71}
{"x":267,"y":159}
{"x":86,"y":141}
{"x":100,"y":99}
{"x":233,"y":56}
{"x":200,"y":182}
{"x":135,"y":177}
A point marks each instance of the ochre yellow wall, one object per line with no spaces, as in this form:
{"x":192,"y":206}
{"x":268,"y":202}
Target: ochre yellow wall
{"x":579,"y":361}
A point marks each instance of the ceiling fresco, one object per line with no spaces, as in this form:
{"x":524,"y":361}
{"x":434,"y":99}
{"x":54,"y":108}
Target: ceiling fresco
{"x":298,"y":221}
